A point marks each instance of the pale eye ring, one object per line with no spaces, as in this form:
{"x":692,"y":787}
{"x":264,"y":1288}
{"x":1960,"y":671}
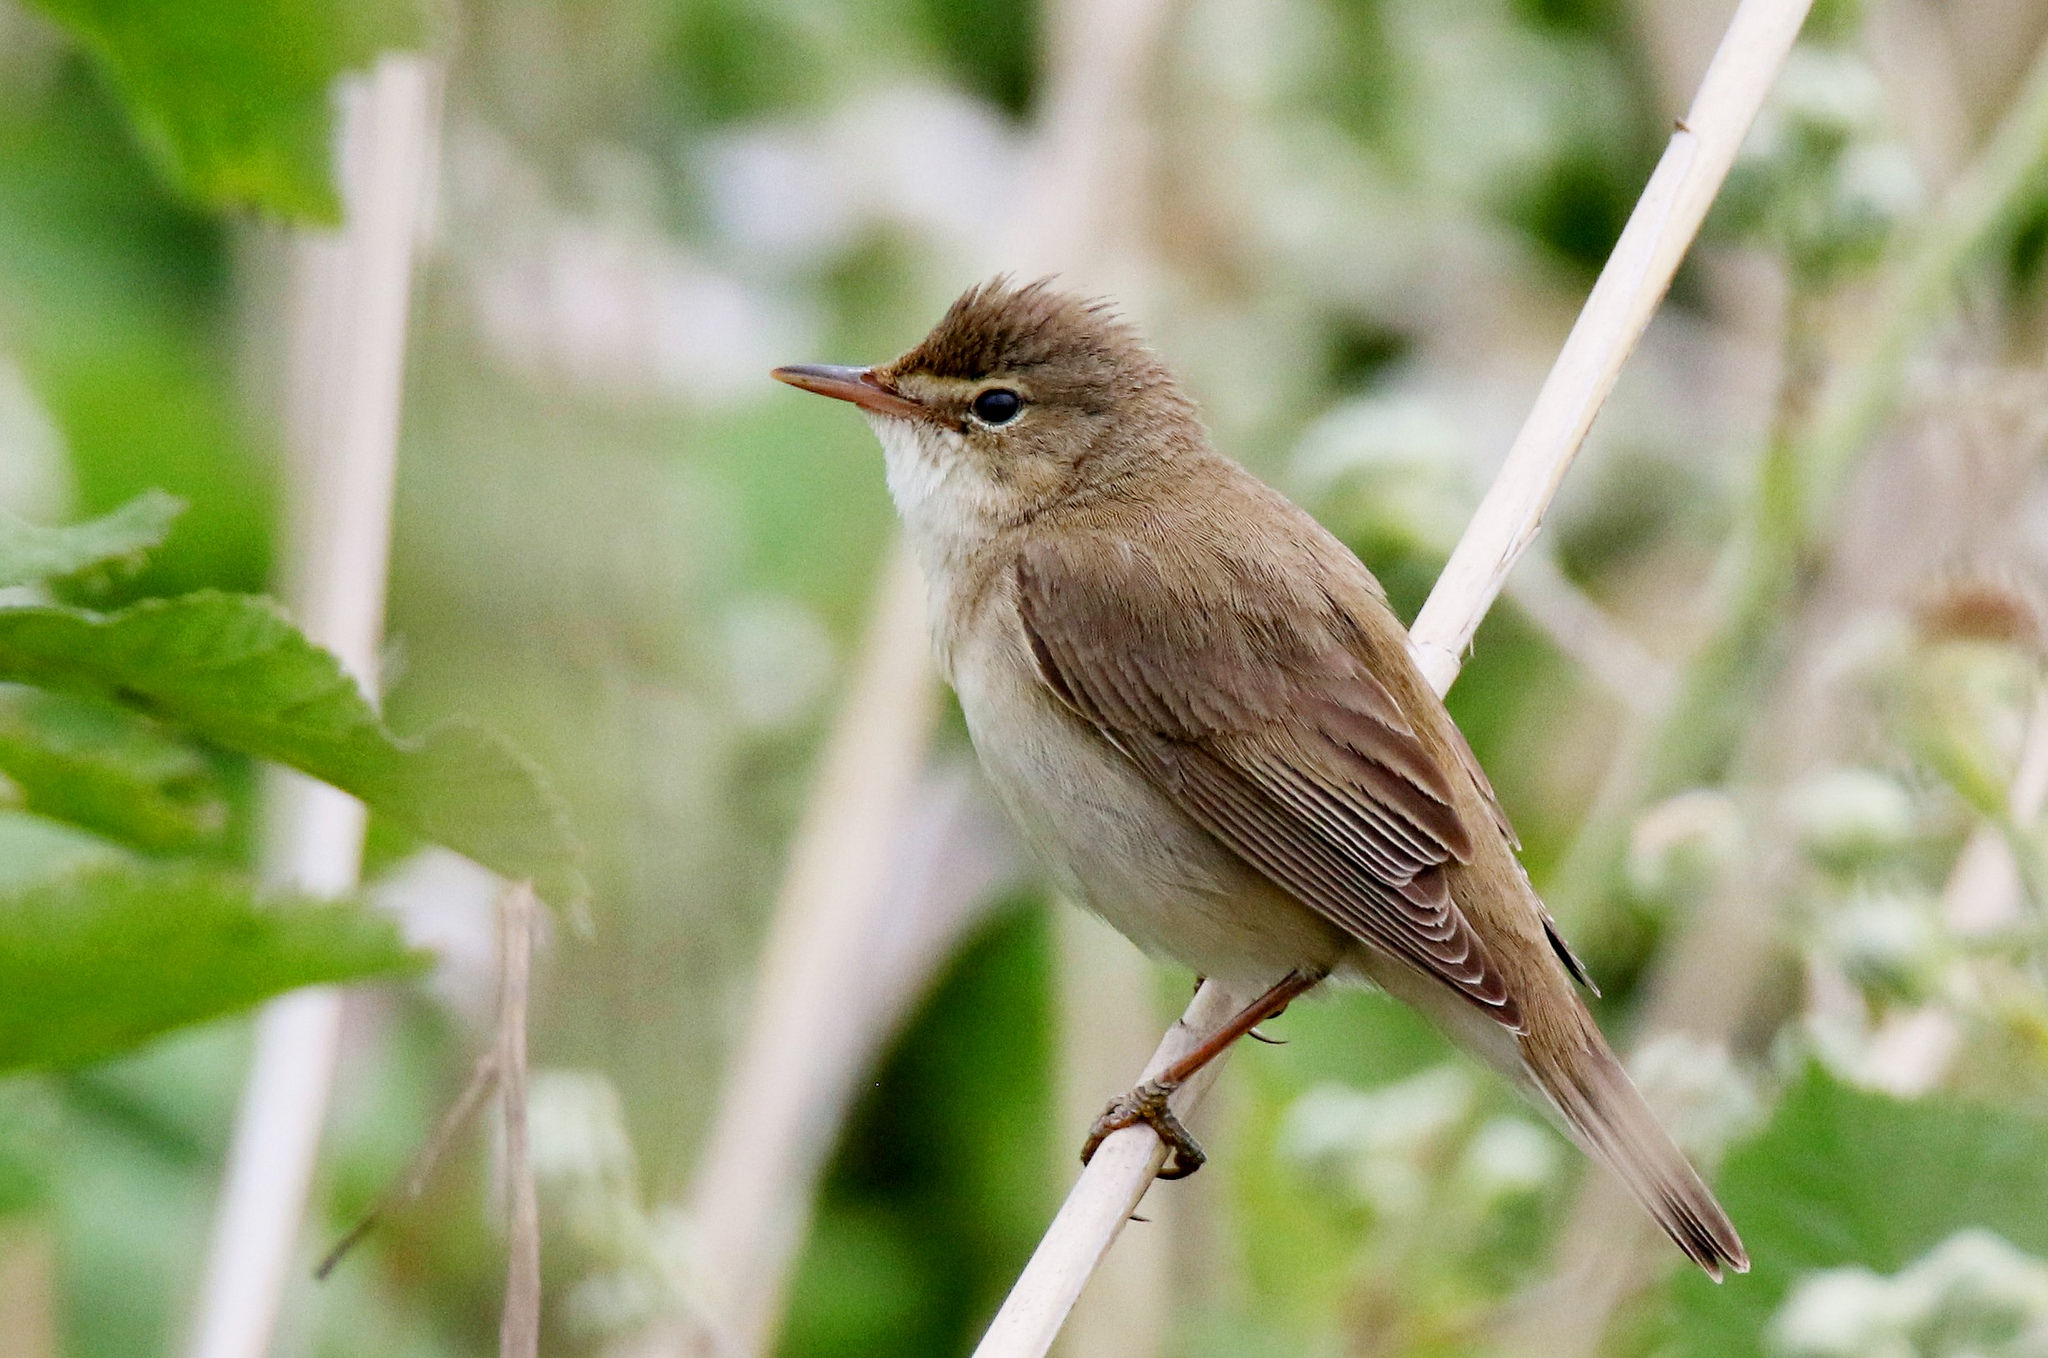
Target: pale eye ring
{"x":997,"y":405}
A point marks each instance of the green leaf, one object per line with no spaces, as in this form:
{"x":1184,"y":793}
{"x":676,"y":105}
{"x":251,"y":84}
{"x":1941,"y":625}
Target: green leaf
{"x":1846,"y":1177}
{"x":234,"y":97}
{"x":99,"y":962}
{"x":34,"y":849}
{"x":229,"y":669}
{"x":94,"y":766}
{"x":29,"y":552}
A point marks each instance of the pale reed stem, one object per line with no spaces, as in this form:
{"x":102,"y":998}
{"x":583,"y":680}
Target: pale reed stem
{"x":778,"y":1113}
{"x":519,"y":1320}
{"x":1662,"y":226}
{"x":28,"y":1289}
{"x":350,"y":297}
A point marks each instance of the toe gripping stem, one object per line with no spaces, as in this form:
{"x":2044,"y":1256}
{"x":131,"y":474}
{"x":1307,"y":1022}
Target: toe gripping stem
{"x":1148,"y":1104}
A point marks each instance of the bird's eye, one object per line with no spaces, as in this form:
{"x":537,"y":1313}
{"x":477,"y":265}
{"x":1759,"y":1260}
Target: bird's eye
{"x":997,"y":405}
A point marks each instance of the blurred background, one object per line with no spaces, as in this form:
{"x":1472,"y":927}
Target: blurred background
{"x":1765,"y":703}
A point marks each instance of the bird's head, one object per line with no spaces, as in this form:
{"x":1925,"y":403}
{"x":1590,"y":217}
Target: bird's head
{"x":1021,"y":398}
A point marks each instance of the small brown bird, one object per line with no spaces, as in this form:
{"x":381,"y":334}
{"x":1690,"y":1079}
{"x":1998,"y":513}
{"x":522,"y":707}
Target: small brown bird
{"x":1197,"y":706}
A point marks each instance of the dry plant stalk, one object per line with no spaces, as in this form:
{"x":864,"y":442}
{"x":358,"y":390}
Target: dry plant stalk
{"x":350,"y":296}
{"x":519,"y":1323}
{"x":483,"y":1078}
{"x":1858,"y":392}
{"x":752,"y":1190}
{"x":1659,"y":230}
{"x":502,"y":1067}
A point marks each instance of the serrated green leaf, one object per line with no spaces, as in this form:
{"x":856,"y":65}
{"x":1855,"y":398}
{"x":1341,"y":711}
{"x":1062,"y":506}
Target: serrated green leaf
{"x":30,"y":552}
{"x":234,"y":97}
{"x":94,"y":766}
{"x":99,"y":962}
{"x":1842,"y":1176}
{"x":230,"y":669}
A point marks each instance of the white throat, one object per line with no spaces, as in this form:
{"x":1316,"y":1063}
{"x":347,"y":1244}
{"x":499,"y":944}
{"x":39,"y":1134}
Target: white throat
{"x":950,"y":511}
{"x":946,"y":507}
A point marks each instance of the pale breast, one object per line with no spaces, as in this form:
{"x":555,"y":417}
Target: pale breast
{"x":1109,"y":837}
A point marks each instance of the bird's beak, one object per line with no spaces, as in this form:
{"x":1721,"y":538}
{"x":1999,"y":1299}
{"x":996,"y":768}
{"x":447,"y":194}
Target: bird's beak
{"x":858,"y":385}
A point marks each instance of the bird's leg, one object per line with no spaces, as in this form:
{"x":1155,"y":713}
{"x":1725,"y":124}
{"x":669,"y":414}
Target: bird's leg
{"x":1148,"y":1102}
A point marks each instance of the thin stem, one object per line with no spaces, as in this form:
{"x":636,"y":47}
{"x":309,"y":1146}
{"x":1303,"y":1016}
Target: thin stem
{"x":483,"y":1078}
{"x":1706,"y":979}
{"x":1636,"y":276}
{"x":351,"y":294}
{"x":28,"y":1288}
{"x":1108,"y":1191}
{"x":806,"y":1039}
{"x":519,"y":1323}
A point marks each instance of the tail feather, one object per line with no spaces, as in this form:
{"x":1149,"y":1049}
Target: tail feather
{"x":1607,"y":1116}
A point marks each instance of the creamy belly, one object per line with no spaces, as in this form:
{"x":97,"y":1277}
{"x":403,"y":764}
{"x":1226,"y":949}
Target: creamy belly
{"x":1117,"y":844}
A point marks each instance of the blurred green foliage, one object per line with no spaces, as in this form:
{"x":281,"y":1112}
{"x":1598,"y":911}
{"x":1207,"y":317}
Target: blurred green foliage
{"x":114,"y":299}
{"x":95,"y":963}
{"x":232,"y":670}
{"x":940,"y":1187}
{"x":990,"y":46}
{"x":108,"y":940}
{"x":90,"y":765}
{"x":233,"y":98}
{"x":1847,"y":1177}
{"x":29,"y":553}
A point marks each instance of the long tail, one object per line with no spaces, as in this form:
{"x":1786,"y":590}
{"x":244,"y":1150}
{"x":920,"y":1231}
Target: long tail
{"x":1607,"y":1116}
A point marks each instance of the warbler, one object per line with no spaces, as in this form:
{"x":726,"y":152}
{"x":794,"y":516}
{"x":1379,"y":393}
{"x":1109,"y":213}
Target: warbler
{"x":1202,"y":715}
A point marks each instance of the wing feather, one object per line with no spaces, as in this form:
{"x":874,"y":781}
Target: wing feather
{"x":1260,"y":718}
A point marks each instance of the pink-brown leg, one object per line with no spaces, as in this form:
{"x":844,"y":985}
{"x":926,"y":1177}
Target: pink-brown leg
{"x":1148,"y":1102}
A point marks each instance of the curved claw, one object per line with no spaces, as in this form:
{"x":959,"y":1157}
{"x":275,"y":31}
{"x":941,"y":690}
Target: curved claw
{"x":1148,"y":1104}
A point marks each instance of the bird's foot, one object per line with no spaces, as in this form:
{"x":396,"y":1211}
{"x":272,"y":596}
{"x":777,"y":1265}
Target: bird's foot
{"x":1147,"y":1104}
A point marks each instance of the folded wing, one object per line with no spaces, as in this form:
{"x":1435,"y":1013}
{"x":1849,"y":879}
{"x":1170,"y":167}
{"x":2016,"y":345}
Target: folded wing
{"x":1246,"y":700}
